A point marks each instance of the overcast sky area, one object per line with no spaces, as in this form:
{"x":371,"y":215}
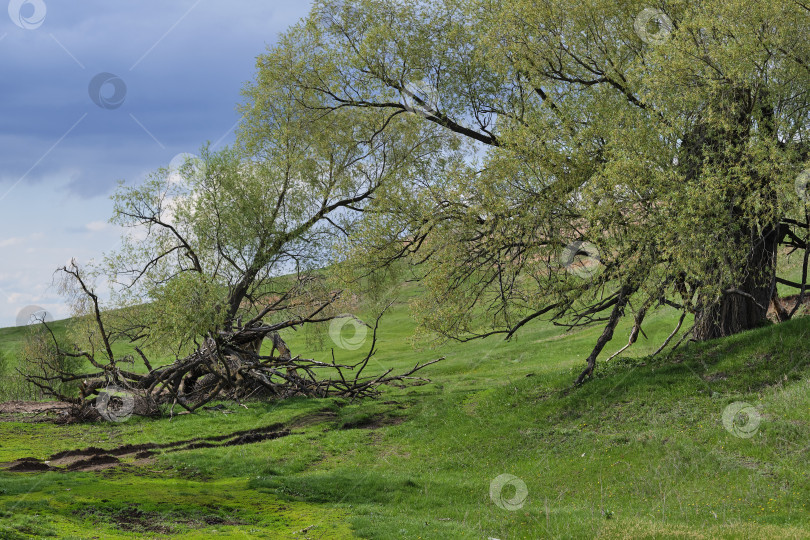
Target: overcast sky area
{"x":68,"y":135}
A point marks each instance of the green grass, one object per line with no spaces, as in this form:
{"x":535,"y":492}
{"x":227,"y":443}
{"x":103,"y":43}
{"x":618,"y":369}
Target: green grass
{"x":639,"y":452}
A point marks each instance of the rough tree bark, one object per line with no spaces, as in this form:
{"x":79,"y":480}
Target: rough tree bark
{"x":746,"y":306}
{"x":607,"y":334}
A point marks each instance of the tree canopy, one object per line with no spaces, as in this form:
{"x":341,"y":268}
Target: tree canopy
{"x":670,"y":140}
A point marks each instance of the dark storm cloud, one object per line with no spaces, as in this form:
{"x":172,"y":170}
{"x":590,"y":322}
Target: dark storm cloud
{"x":182,"y":63}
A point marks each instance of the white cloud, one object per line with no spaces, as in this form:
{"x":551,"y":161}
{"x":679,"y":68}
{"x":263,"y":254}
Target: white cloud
{"x":11,"y":242}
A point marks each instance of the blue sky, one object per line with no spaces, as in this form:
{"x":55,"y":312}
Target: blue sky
{"x":175,"y":74}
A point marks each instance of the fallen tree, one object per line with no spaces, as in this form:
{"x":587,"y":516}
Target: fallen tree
{"x":228,"y":365}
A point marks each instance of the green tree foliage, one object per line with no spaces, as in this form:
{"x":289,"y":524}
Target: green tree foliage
{"x":211,"y":241}
{"x":670,"y":138}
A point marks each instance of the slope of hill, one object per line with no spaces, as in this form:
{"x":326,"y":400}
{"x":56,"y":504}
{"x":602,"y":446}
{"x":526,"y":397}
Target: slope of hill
{"x":643,"y":450}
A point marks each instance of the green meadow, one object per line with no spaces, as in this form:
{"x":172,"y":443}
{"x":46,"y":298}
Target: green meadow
{"x":640,"y":451}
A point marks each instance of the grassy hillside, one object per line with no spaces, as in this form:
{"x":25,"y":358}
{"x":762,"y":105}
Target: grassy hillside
{"x":641,"y":451}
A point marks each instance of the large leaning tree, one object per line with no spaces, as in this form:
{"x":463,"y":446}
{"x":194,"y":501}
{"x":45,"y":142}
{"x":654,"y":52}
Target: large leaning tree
{"x":219,"y":254}
{"x":602,"y":159}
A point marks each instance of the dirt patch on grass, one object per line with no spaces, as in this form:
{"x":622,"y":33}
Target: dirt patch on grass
{"x":714,"y":377}
{"x":34,"y":411}
{"x":92,"y":450}
{"x":133,"y":518}
{"x":94,"y":459}
{"x":14,"y":407}
{"x":318,"y":417}
{"x":374,"y":421}
{"x":75,"y":462}
{"x":94,"y":463}
{"x":28,"y":465}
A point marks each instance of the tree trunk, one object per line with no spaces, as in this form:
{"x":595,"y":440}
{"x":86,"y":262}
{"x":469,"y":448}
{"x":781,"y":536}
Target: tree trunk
{"x":607,"y":334}
{"x":745,"y":306}
{"x":722,"y":145}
